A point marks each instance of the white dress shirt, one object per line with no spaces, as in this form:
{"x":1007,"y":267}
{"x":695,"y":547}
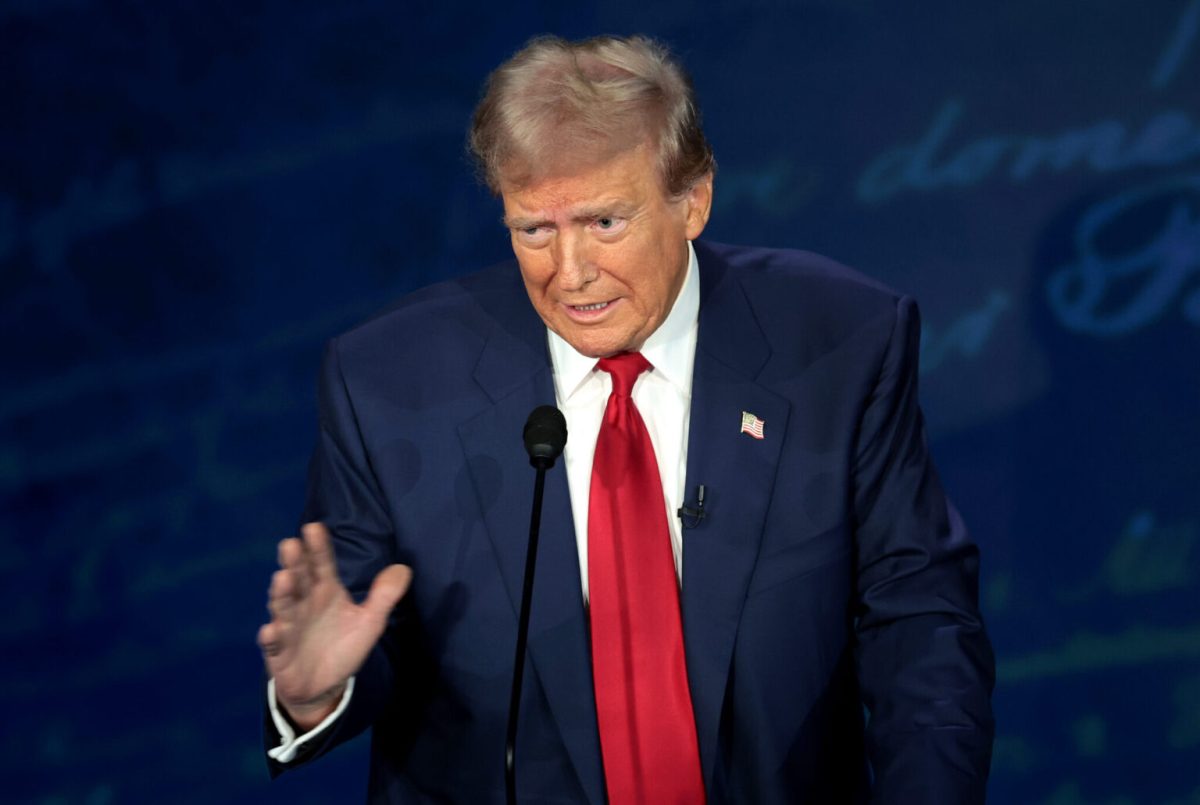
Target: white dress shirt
{"x":663,"y":396}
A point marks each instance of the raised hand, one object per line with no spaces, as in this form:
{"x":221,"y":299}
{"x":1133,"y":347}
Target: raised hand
{"x":318,"y":637}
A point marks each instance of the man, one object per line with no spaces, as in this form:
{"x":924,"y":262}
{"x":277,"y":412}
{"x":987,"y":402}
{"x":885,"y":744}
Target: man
{"x":817,"y":638}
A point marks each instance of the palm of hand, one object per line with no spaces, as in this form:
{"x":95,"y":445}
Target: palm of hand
{"x":318,"y":637}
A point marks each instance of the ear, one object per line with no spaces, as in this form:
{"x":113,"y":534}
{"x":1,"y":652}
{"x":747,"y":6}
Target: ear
{"x":699,"y":205}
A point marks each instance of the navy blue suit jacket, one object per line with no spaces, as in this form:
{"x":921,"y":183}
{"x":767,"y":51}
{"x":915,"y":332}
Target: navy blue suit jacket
{"x":834,"y":646}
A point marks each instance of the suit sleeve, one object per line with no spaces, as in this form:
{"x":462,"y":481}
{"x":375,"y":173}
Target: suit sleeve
{"x":924,"y":662}
{"x":344,"y":494}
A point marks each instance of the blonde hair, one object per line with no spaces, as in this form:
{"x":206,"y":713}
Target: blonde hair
{"x":558,"y":104}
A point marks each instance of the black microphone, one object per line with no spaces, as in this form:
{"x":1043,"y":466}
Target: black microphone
{"x":691,"y":516}
{"x":545,"y":436}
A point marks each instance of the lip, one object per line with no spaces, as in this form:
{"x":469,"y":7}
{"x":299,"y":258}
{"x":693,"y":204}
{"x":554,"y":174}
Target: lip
{"x":590,"y":316}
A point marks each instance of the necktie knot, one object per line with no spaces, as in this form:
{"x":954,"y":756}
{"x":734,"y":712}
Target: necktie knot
{"x":624,"y":368}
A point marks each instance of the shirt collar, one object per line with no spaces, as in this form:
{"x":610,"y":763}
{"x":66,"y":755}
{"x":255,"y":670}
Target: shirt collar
{"x":671,"y":349}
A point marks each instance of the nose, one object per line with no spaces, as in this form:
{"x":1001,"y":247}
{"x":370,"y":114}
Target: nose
{"x":574,"y":268}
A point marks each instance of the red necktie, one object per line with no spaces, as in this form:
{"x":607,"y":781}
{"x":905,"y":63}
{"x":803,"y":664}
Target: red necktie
{"x":644,"y":708}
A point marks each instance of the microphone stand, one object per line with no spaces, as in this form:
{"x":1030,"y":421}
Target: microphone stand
{"x":514,"y":701}
{"x":545,"y":435}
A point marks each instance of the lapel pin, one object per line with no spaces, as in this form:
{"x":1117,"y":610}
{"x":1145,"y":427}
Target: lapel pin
{"x":752,"y":425}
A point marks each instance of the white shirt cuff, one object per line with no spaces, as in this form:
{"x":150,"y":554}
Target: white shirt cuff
{"x":289,"y":744}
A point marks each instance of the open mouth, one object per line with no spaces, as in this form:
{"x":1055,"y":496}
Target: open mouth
{"x":591,"y":313}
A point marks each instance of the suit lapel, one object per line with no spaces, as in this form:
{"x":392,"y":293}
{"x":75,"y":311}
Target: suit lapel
{"x":738,"y":472}
{"x":514,"y":370}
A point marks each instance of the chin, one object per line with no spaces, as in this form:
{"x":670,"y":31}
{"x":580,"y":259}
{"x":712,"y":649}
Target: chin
{"x":595,"y":348}
{"x":595,"y":351}
{"x":600,"y":343}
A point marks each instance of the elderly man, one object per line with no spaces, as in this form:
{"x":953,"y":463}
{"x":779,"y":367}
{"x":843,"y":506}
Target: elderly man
{"x":806,"y":631}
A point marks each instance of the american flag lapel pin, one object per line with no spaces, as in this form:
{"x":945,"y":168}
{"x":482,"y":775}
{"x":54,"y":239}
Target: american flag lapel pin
{"x":752,"y":425}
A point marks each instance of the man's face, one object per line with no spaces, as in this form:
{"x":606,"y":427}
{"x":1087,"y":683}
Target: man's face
{"x":603,"y":251}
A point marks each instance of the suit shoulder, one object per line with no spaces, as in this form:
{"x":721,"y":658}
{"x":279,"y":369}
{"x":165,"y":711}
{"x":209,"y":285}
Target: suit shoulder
{"x":791,"y":286}
{"x":436,"y":331}
{"x":458,"y":308}
{"x":796,"y":271}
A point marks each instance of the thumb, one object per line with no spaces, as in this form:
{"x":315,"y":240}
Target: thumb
{"x":387,"y":589}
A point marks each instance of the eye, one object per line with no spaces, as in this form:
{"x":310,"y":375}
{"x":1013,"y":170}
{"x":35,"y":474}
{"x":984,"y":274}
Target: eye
{"x":609,"y":224}
{"x":532,"y":235}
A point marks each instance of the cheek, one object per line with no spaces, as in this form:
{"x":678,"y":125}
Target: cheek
{"x":535,"y":274}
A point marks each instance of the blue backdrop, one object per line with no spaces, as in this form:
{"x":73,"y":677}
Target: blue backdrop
{"x":195,"y":195}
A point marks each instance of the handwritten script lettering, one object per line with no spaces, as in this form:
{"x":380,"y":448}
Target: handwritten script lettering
{"x":1108,"y":294}
{"x":1169,"y":138}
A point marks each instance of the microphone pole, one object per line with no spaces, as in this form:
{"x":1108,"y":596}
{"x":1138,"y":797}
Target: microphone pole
{"x":545,"y":436}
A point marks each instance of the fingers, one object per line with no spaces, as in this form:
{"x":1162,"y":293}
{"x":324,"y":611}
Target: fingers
{"x":302,"y":563}
{"x":319,"y":551}
{"x":293,"y":556}
{"x":281,"y":596}
{"x":270,"y":640}
{"x":308,"y":578}
{"x":387,"y":589}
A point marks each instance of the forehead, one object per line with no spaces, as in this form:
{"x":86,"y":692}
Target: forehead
{"x":628,"y":179}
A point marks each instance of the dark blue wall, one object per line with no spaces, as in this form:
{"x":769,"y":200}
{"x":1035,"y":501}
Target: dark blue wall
{"x":194,"y":196}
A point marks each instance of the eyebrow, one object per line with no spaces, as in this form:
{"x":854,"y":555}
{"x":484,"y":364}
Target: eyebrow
{"x":618,"y":209}
{"x":520,"y":222}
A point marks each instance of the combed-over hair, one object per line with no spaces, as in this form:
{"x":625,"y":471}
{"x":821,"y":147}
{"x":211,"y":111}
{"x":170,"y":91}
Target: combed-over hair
{"x":557,"y":106}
